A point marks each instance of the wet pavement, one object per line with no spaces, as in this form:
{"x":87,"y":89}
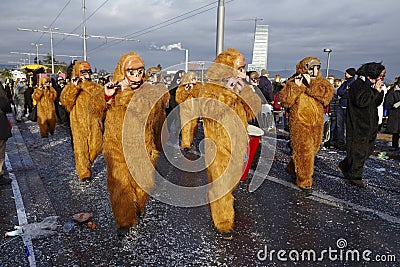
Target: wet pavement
{"x":276,"y":225}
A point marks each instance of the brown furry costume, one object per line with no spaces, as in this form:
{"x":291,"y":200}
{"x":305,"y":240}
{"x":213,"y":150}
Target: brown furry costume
{"x":126,"y":195}
{"x":44,"y":96}
{"x":86,"y":128}
{"x":153,"y":76}
{"x":227,"y":109}
{"x":306,"y":121}
{"x":188,"y":90}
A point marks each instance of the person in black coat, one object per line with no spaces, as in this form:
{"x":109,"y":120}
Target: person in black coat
{"x":365,"y":95}
{"x":392,"y":100}
{"x":62,"y":113}
{"x":5,"y":132}
{"x":174,"y":118}
{"x":265,"y":86}
{"x":343,"y":93}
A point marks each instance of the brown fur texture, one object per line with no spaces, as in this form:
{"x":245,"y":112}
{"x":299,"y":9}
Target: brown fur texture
{"x":127,"y":197}
{"x":306,"y":121}
{"x":188,"y":109}
{"x":225,"y":116}
{"x":85,"y":127}
{"x":159,"y":128}
{"x":46,"y":112}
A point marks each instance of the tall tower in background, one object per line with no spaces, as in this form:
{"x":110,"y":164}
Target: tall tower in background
{"x":260,"y":49}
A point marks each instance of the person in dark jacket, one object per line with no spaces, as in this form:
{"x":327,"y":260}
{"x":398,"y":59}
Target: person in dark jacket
{"x":392,"y":100}
{"x":62,"y":113}
{"x":341,"y":113}
{"x":265,"y":86}
{"x":28,"y":106}
{"x":5,"y":132}
{"x":365,"y":95}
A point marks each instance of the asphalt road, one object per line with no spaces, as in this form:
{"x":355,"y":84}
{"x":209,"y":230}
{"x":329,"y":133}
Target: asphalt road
{"x":275,"y":225}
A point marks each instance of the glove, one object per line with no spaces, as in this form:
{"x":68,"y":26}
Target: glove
{"x":396,"y":105}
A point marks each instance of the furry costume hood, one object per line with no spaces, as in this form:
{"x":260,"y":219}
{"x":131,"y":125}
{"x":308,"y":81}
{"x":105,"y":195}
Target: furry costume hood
{"x":306,"y":63}
{"x":78,"y":66}
{"x":228,"y":57}
{"x":225,"y":66}
{"x":119,"y":73}
{"x":151,"y":71}
{"x":219,"y":72}
{"x":43,"y":80}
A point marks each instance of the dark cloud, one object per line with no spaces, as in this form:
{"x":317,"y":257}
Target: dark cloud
{"x":356,"y":31}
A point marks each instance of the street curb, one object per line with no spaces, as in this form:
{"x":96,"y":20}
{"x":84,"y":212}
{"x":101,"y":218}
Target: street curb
{"x":36,"y":200}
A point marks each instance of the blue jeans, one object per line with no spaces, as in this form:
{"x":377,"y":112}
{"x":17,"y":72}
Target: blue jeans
{"x":341,"y":114}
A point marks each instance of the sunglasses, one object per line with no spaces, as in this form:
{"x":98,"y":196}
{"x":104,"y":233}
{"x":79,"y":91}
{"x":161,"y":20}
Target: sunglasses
{"x":83,"y":72}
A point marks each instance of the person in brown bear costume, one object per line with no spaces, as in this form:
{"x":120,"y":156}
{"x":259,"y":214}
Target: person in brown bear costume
{"x":44,"y":95}
{"x":186,"y":92}
{"x":306,"y":94}
{"x":154,"y":76}
{"x":132,"y":107}
{"x":228,"y":105}
{"x":86,"y":128}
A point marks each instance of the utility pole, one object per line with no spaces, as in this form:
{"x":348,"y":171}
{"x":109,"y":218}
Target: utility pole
{"x":37,"y":51}
{"x":84,"y":30}
{"x":21,"y":53}
{"x":51,"y":29}
{"x":328,"y":50}
{"x":37,"y":55}
{"x":220,"y":26}
{"x":84,"y":36}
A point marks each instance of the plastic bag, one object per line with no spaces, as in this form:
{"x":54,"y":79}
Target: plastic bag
{"x":41,"y":229}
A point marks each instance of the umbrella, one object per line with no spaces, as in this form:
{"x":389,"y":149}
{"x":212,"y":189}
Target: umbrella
{"x":34,"y":67}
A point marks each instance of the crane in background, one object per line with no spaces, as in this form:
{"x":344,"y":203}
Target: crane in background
{"x":255,"y":27}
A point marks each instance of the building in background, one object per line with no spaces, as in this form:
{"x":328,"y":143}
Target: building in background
{"x":260,"y":49}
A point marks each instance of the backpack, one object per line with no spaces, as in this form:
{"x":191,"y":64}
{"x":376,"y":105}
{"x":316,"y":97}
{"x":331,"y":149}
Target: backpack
{"x":277,"y":102}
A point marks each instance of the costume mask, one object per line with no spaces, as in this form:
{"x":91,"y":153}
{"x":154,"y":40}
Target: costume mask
{"x":44,"y":82}
{"x":240,"y":64}
{"x":313,"y":67}
{"x":153,"y":75}
{"x":189,"y":79}
{"x":85,"y":72}
{"x":134,"y":72}
{"x":81,"y":71}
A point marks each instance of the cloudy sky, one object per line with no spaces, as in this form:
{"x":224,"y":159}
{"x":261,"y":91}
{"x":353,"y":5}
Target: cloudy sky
{"x":357,"y":31}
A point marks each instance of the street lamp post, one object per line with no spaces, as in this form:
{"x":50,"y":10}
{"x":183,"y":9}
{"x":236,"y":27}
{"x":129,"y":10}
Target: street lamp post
{"x":220,"y":26}
{"x":328,"y":50}
{"x":37,"y":51}
{"x":51,"y":45}
{"x":202,"y":70}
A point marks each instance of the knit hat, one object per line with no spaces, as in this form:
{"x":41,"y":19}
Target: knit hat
{"x":351,"y":71}
{"x":263,"y":72}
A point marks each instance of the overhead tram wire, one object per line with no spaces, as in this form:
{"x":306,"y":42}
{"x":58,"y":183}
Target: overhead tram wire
{"x":148,"y":30}
{"x":77,"y":27}
{"x":58,"y":15}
